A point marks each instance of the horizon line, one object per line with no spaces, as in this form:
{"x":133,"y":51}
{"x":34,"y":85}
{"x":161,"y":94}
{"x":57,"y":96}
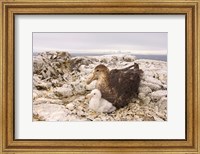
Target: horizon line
{"x":107,"y":51}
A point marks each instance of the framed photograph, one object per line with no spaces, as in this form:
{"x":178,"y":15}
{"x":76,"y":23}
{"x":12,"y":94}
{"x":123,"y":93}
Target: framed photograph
{"x":99,"y":76}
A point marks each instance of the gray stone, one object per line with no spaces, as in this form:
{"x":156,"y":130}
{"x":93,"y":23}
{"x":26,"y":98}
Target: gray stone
{"x":157,"y":95}
{"x":70,"y":106}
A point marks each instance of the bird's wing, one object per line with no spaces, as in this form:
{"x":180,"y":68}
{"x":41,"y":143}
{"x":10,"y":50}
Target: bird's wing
{"x":117,"y":76}
{"x":125,"y":82}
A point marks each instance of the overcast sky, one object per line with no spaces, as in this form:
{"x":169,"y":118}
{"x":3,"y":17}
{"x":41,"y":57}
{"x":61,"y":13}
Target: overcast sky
{"x":138,"y":43}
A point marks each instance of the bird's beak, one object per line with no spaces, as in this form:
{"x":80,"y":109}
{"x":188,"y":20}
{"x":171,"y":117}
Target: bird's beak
{"x":88,"y":96}
{"x":91,"y":78}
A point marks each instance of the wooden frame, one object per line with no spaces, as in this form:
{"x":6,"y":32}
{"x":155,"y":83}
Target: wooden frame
{"x":10,"y":8}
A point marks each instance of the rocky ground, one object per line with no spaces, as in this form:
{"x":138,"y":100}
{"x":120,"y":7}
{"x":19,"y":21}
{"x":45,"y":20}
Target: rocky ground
{"x":59,"y":88}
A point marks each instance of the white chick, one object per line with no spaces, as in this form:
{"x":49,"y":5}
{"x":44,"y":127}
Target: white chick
{"x":99,"y":104}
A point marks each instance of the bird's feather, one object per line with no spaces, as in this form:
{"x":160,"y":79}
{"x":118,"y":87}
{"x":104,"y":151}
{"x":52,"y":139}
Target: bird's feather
{"x":121,"y":85}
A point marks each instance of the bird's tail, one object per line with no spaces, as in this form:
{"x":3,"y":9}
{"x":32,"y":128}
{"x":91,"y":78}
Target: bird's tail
{"x":135,"y":65}
{"x":127,"y":68}
{"x":136,"y":68}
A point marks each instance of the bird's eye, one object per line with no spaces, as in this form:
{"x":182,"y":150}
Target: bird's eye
{"x":97,"y":70}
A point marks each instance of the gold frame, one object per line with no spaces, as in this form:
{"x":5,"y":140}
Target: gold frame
{"x":190,"y":8}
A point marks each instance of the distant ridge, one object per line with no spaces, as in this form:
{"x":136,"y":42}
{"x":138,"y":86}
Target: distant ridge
{"x":139,"y":56}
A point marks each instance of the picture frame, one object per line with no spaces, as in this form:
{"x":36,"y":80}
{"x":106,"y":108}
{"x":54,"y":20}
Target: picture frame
{"x":7,"y":93}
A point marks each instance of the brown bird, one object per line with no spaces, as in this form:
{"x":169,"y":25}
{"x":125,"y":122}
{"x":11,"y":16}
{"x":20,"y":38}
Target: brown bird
{"x":117,"y":86}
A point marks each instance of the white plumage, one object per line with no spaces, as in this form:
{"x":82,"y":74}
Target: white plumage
{"x":99,"y":104}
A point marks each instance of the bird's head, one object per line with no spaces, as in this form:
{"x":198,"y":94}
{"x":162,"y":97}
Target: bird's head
{"x":94,"y":93}
{"x":99,"y":71}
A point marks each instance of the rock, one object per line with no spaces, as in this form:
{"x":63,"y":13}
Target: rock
{"x":157,"y":95}
{"x":129,"y":58}
{"x":79,"y":88}
{"x":156,"y":109}
{"x":162,"y":115}
{"x":47,"y":100}
{"x":147,"y":100}
{"x":80,"y":108}
{"x":137,"y":118}
{"x":157,"y":119}
{"x":162,"y":103}
{"x":163,"y":77}
{"x":51,"y":64}
{"x":40,"y":101}
{"x":51,"y":94}
{"x":153,"y":80}
{"x":67,"y":77}
{"x":152,"y":86}
{"x":41,"y":84}
{"x":97,"y":119}
{"x":39,"y":93}
{"x":85,"y":69}
{"x":141,"y":96}
{"x":80,"y":113}
{"x":72,"y":118}
{"x":76,"y":62}
{"x":70,"y":106}
{"x":56,"y":83}
{"x":148,"y":73}
{"x":64,"y":91}
{"x":145,"y":90}
{"x":50,"y":112}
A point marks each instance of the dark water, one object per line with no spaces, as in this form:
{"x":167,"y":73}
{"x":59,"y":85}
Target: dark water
{"x":153,"y":57}
{"x":139,"y":56}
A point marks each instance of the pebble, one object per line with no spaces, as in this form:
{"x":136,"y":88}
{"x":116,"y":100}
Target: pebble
{"x":70,"y":106}
{"x":63,"y":91}
{"x":157,"y":95}
{"x":146,"y":90}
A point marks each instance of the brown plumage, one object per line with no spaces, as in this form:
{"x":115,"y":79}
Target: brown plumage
{"x":118,"y":86}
